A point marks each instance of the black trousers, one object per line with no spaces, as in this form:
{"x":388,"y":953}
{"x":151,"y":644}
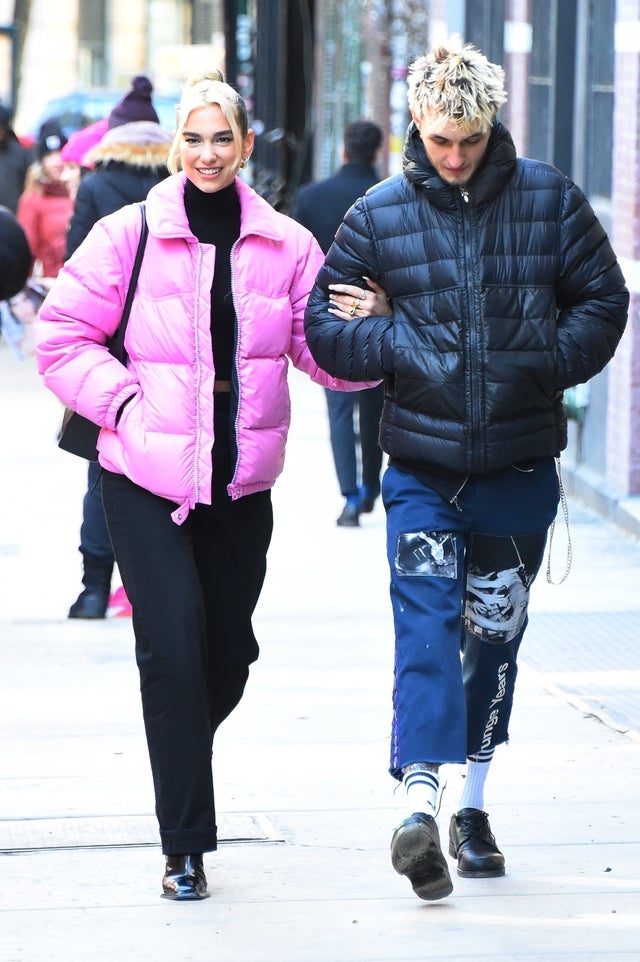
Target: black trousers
{"x":193,"y":590}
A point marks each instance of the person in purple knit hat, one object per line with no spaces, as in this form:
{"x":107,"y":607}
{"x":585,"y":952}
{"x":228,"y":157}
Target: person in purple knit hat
{"x":129,"y":159}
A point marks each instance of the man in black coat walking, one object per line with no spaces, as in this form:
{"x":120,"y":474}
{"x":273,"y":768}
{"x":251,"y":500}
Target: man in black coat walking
{"x":320,"y":207}
{"x":503,"y":291}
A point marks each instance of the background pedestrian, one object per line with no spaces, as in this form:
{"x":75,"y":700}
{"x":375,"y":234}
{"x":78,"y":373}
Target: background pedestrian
{"x":15,"y":255}
{"x":14,"y":162}
{"x":129,"y":159}
{"x":353,"y":417}
{"x":46,"y":204}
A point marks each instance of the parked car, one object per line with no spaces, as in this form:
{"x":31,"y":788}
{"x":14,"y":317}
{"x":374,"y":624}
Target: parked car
{"x":78,"y":109}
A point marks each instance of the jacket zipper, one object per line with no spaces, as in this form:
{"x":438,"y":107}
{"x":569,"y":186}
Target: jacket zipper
{"x":234,"y":373}
{"x":198,"y":385}
{"x":472,"y":345}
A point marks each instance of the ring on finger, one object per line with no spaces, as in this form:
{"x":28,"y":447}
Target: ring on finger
{"x":353,"y":310}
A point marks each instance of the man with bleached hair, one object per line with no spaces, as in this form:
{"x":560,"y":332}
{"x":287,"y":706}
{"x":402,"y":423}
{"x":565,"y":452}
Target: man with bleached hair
{"x":503,"y":291}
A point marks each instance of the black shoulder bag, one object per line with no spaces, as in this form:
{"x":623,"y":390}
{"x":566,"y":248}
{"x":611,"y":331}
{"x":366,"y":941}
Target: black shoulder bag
{"x":78,"y":435}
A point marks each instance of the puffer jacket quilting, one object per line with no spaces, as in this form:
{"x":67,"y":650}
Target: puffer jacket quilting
{"x":500,"y":302}
{"x":164,"y":437}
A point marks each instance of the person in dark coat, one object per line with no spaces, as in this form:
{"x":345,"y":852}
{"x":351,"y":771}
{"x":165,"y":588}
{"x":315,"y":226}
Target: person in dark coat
{"x":15,"y":266}
{"x":129,"y":160}
{"x":14,"y":162}
{"x":320,"y":207}
{"x":15,"y":255}
{"x":503,"y":291}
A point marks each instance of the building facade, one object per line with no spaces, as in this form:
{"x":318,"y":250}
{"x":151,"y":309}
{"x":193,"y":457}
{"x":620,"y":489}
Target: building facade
{"x":85,"y":44}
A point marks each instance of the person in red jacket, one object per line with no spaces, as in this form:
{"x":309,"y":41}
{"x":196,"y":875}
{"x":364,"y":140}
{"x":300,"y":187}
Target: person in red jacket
{"x":46,"y":205}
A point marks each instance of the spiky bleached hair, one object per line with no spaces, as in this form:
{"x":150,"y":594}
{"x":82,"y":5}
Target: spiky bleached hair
{"x":456,"y":81}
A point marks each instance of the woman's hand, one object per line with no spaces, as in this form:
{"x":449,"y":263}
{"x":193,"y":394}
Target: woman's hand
{"x":348,"y":301}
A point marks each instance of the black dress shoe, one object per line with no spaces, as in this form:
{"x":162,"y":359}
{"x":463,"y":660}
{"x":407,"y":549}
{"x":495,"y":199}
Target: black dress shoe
{"x":184,"y":879}
{"x":416,"y":853}
{"x":350,"y":517}
{"x":472,"y":843}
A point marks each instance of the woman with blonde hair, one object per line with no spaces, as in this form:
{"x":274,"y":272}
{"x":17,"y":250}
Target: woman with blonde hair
{"x":193,"y":433}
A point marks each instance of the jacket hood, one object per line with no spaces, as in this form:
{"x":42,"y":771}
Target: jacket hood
{"x":497,"y":166}
{"x":140,"y":144}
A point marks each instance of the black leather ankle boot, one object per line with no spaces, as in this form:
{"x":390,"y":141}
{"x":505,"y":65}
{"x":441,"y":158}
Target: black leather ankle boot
{"x":184,"y":879}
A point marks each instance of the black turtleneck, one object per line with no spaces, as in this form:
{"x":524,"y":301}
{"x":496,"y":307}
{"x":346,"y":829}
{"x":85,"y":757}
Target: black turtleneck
{"x":215,"y":219}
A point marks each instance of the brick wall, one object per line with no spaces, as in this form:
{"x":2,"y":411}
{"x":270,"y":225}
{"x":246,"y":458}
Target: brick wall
{"x":623,"y":409}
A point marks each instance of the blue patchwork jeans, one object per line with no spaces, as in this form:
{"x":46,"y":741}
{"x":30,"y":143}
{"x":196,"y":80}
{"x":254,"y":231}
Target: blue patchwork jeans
{"x":460,"y":579}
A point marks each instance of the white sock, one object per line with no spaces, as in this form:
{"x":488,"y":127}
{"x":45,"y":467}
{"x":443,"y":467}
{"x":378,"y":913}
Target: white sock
{"x":421,"y":784}
{"x":472,"y":795}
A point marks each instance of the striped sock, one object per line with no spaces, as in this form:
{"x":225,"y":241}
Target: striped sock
{"x":472,"y":795}
{"x":421,"y":784}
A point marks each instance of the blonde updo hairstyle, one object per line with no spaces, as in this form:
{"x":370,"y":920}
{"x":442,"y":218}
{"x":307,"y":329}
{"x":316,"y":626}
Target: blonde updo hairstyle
{"x":203,"y":90}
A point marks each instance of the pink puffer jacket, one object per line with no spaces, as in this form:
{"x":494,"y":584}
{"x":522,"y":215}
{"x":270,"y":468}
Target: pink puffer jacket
{"x":164,"y":438}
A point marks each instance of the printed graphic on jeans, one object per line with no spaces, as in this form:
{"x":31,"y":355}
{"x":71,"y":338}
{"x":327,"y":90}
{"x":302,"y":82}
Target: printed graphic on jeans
{"x":426,"y":554}
{"x":494,"y":709}
{"x":496,"y":604}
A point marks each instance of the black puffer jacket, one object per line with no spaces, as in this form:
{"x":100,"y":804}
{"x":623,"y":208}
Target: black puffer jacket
{"x":129,"y":161}
{"x":500,"y":302}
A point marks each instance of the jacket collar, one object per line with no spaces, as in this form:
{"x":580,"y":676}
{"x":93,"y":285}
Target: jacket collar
{"x":361,"y":171}
{"x":497,"y":167}
{"x":167,"y":217}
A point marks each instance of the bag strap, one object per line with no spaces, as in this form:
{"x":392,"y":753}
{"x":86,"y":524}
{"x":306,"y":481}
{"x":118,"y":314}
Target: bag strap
{"x":116,"y":343}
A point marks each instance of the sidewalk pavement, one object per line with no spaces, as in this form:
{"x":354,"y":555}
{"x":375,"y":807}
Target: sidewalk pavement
{"x":306,"y":807}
